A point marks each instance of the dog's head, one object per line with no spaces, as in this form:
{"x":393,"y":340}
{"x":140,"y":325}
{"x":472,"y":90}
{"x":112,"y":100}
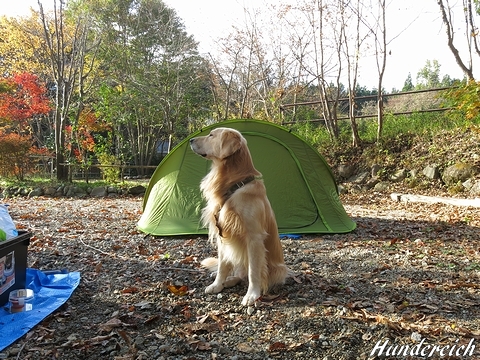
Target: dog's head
{"x":219,"y":144}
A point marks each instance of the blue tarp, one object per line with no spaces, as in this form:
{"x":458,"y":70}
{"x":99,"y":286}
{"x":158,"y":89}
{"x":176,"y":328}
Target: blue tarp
{"x":51,"y":291}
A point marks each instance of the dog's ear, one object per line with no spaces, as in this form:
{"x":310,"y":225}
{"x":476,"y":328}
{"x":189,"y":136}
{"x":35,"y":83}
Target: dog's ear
{"x":231,"y":142}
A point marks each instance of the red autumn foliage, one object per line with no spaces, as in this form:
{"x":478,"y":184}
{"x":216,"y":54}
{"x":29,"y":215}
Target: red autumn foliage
{"x":81,"y":138}
{"x":25,"y":97}
{"x":22,"y":97}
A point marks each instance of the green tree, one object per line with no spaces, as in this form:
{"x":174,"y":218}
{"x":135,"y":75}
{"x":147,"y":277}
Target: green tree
{"x":429,"y":76}
{"x":408,"y":84}
{"x":155,"y":84}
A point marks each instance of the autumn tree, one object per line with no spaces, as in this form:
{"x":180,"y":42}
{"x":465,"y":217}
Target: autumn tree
{"x":307,"y":26}
{"x":15,"y":150}
{"x":292,"y":56}
{"x":22,"y":47}
{"x":22,"y":98}
{"x":351,"y":42}
{"x":71,"y":54}
{"x":243,"y":70}
{"x":380,"y":41}
{"x":222,"y":76}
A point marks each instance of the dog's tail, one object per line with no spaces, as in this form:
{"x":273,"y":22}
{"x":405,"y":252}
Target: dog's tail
{"x":210,"y":264}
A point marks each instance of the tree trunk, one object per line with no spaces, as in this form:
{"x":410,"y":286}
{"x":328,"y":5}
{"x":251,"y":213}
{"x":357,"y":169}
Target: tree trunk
{"x":446,"y":18}
{"x":353,"y":121}
{"x":379,"y":115}
{"x":381,"y":68}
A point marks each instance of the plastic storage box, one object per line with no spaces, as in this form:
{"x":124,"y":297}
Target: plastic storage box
{"x":13,"y":264}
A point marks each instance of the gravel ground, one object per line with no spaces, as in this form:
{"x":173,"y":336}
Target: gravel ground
{"x":409,"y":274}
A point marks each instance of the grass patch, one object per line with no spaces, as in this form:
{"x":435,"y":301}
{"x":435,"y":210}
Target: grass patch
{"x":421,"y":133}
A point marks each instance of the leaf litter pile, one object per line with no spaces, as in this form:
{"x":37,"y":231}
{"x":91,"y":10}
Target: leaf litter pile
{"x":409,"y":272}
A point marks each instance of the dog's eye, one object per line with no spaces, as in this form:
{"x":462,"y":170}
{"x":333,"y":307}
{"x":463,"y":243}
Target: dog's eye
{"x":210,"y":134}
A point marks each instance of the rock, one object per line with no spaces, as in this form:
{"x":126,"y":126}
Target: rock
{"x":468,"y":184}
{"x":458,"y":172}
{"x":112,"y":190}
{"x":10,"y":191}
{"x":69,"y":191}
{"x":360,"y":178}
{"x":36,"y":192}
{"x":432,"y":172}
{"x":345,"y":171}
{"x":381,"y":186}
{"x":137,"y":190}
{"x":375,"y":169}
{"x":100,"y":191}
{"x":80,"y":192}
{"x":475,"y":189}
{"x":49,"y":191}
{"x":75,"y":191}
{"x":399,"y":175}
{"x":371,"y":183}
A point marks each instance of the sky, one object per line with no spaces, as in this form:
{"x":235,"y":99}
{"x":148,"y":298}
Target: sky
{"x":415,"y":32}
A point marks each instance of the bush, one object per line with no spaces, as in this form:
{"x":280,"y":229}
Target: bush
{"x":15,"y":159}
{"x":110,"y":169}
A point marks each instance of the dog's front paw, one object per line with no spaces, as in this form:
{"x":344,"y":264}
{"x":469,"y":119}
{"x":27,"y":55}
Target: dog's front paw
{"x":213,"y":288}
{"x":250,"y":298}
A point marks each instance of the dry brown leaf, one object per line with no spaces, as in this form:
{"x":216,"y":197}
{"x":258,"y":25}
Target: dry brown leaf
{"x":277,"y":346}
{"x":188,"y":260}
{"x":179,"y":290}
{"x":100,"y":339}
{"x":130,"y":290}
{"x":245,"y":348}
{"x":111,"y":324}
{"x":124,"y":336}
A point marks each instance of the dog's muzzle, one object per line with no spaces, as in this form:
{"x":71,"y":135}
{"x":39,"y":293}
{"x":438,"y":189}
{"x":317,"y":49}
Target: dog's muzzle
{"x":194,"y":148}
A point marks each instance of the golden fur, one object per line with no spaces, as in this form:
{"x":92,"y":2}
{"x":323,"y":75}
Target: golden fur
{"x":240,"y":222}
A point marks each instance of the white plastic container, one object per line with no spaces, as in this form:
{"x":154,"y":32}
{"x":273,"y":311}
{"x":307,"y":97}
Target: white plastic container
{"x":21,"y":300}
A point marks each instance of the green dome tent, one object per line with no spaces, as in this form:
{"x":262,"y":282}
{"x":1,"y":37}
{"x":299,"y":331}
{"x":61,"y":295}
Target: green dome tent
{"x":300,"y":185}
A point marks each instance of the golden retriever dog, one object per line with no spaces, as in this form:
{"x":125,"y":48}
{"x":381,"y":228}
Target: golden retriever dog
{"x":239,"y":217}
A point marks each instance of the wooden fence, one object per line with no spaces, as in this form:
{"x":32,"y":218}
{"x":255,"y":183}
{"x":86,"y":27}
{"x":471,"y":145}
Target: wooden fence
{"x":85,"y":172}
{"x":420,"y":104}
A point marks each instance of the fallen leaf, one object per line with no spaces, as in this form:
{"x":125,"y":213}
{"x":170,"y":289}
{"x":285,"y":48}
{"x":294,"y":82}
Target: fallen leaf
{"x":110,"y":325}
{"x":277,"y":346}
{"x":130,"y":290}
{"x":178,"y":290}
{"x":124,"y":336}
{"x":188,"y":260}
{"x":100,"y":339}
{"x":245,"y":348}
